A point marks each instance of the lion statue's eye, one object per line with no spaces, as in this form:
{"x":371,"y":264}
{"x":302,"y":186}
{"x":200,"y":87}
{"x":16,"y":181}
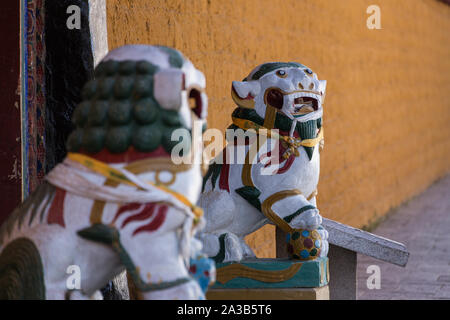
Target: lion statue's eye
{"x":308,"y":71}
{"x":281,"y":73}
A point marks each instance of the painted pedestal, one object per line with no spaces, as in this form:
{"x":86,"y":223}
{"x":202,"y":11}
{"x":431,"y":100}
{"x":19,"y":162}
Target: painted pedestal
{"x":272,"y":279}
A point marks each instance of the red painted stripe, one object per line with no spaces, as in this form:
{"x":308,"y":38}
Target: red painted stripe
{"x":56,"y":211}
{"x":146,"y":213}
{"x":155,"y":223}
{"x":224,"y":173}
{"x":125,"y":208}
{"x":287,"y":164}
{"x":223,"y":180}
{"x":129,"y":156}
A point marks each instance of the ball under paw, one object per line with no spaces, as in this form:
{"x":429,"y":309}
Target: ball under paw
{"x":303,"y":244}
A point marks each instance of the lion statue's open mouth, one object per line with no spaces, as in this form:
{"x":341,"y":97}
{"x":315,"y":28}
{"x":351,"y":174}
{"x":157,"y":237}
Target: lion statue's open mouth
{"x":305,"y":104}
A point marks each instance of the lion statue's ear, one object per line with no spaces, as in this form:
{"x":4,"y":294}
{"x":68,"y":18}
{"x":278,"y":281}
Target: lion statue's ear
{"x":323,"y":88}
{"x":244,"y":89}
{"x":244,"y":93}
{"x":167,"y":87}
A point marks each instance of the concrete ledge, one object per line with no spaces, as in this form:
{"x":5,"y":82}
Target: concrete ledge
{"x":366,"y":243}
{"x":321,"y":293}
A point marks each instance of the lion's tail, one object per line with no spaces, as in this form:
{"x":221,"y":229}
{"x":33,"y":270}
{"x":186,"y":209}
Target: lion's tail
{"x":21,"y":271}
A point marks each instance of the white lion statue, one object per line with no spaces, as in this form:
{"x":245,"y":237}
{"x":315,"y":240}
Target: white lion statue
{"x":117,"y":202}
{"x":271,"y":175}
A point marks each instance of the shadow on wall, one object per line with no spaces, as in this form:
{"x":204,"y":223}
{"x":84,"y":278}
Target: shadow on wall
{"x":68,"y":55}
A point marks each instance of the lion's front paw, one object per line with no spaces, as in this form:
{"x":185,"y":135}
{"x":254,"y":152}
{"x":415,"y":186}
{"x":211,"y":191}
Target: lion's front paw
{"x":324,"y":247}
{"x":310,"y":220}
{"x":234,"y":250}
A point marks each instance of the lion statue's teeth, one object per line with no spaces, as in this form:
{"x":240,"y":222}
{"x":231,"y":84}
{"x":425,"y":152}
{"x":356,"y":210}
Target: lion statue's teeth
{"x":303,"y":109}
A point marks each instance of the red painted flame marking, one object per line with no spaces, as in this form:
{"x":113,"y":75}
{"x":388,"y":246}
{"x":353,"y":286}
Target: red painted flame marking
{"x":224,"y":173}
{"x":287,"y":163}
{"x":155,"y":223}
{"x":56,"y":211}
{"x":125,"y":208}
{"x":145,"y":213}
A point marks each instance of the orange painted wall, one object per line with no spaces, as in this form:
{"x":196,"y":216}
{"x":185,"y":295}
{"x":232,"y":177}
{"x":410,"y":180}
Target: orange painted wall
{"x":387,"y":111}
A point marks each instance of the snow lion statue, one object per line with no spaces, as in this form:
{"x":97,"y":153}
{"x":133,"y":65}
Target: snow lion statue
{"x":117,"y":201}
{"x":279,"y":110}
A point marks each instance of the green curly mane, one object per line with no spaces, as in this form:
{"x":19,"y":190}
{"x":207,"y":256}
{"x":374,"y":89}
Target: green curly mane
{"x":119,"y":110}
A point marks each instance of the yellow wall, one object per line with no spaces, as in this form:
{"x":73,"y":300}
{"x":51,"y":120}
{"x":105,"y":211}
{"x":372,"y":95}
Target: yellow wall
{"x":387,"y":110}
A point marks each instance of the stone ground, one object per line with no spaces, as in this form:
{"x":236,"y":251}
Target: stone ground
{"x":423,"y":225}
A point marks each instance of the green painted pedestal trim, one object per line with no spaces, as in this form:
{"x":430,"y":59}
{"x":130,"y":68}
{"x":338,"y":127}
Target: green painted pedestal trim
{"x":272,"y":273}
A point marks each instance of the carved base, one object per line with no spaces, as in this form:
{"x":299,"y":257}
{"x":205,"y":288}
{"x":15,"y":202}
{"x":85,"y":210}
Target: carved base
{"x":272,"y":273}
{"x":321,"y":293}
